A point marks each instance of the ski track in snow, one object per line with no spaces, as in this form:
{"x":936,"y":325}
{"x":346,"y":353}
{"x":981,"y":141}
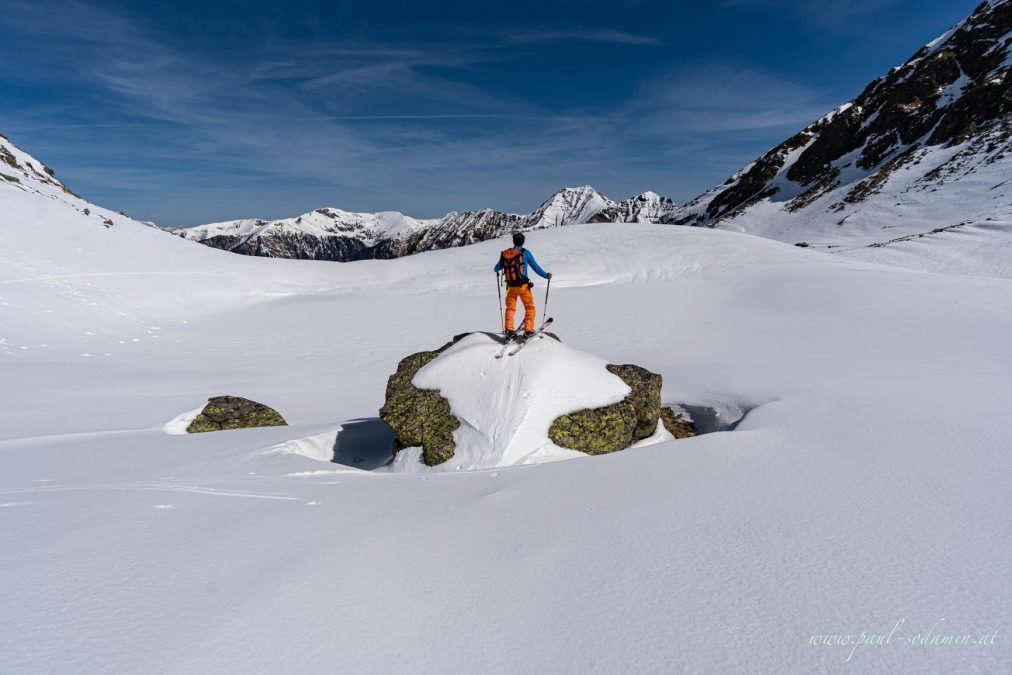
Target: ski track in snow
{"x":54,"y":277}
{"x":191,"y":489}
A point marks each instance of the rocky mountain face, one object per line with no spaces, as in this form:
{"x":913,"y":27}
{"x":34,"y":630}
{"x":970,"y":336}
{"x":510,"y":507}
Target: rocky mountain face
{"x":457,"y":229}
{"x":925,"y":145}
{"x":20,"y":169}
{"x":332,"y":234}
{"x":648,"y":207}
{"x":572,"y":205}
{"x":22,"y":172}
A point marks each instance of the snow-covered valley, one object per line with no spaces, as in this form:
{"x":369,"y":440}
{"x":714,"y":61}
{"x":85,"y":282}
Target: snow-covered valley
{"x":842,"y":310}
{"x":867,"y":482}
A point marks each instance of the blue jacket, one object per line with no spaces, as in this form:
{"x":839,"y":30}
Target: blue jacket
{"x":528,"y":260}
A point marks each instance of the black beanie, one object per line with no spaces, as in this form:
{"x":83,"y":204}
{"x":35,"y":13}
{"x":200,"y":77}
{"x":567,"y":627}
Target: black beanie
{"x":518,"y":239}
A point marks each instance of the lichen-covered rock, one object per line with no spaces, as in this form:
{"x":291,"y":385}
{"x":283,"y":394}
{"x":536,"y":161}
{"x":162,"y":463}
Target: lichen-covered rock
{"x":645,"y":397}
{"x":596,"y":431}
{"x":677,"y":424}
{"x":234,"y":412}
{"x":614,"y":427}
{"x":423,"y":418}
{"x":419,"y":417}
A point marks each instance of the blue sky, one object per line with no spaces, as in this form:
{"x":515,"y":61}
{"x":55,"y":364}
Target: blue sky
{"x":189,"y":112}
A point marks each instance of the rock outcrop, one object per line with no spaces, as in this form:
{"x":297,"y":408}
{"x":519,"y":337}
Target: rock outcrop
{"x":599,"y":431}
{"x":233,"y":412}
{"x":648,"y":207}
{"x":23,"y":165}
{"x":422,"y":417}
{"x":677,"y":423}
{"x":419,"y":417}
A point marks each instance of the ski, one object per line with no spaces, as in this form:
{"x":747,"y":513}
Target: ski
{"x":506,"y":345}
{"x":538,"y":334}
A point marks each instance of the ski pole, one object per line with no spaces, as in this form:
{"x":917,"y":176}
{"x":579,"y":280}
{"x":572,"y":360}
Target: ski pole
{"x":544,"y":316}
{"x":498,"y":288}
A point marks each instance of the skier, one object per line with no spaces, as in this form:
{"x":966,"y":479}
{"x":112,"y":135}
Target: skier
{"x":513,"y":263}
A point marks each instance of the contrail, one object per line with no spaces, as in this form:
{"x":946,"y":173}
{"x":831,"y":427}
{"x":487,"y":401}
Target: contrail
{"x":350,"y":118}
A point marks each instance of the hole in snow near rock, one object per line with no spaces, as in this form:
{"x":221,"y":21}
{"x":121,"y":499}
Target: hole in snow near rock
{"x":364,"y":444}
{"x":707,"y":420}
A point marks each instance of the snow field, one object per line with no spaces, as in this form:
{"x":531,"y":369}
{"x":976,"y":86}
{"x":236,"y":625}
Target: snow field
{"x":867,"y":482}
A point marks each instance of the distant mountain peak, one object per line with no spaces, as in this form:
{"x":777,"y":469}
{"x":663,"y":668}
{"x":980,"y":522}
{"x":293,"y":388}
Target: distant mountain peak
{"x":567,"y":206}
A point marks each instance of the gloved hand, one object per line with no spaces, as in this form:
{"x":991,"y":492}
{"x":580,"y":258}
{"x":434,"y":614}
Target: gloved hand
{"x":549,"y":275}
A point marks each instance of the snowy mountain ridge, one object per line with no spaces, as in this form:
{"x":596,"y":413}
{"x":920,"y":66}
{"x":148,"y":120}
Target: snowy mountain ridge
{"x":22,"y":173}
{"x":333,"y":234}
{"x":648,"y":207}
{"x":568,"y":206}
{"x":923,"y":151}
{"x":21,"y":170}
{"x":323,"y":234}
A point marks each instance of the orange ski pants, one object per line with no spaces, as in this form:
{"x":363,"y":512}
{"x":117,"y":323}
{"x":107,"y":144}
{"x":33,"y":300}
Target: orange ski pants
{"x":526,"y":297}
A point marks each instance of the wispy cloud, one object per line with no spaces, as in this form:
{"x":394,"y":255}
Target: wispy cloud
{"x":578,"y":35}
{"x":361,"y":125}
{"x":727,"y":97}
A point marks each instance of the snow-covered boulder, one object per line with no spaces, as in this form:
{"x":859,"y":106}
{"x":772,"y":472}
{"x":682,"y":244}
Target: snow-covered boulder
{"x":234,"y":412}
{"x":459,"y":407}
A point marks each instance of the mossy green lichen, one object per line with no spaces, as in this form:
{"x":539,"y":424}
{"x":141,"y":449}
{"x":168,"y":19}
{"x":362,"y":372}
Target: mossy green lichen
{"x":599,"y":431}
{"x":419,"y":417}
{"x":233,"y":412}
{"x":645,"y":397}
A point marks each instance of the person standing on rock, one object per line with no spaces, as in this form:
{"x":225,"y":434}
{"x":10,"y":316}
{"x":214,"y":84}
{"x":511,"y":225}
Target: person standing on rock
{"x":514,"y":263}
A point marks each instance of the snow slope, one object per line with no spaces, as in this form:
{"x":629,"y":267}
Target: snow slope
{"x":866,"y":484}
